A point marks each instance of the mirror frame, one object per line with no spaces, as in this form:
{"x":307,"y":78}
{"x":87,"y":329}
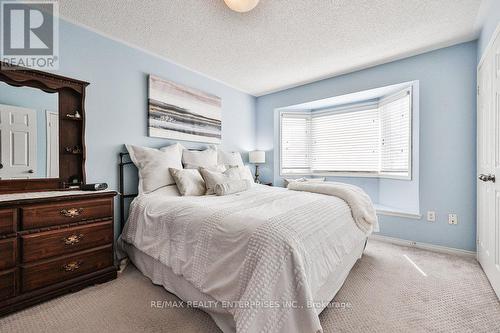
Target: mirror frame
{"x":71,"y":95}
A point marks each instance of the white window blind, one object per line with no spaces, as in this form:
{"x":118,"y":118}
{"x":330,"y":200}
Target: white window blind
{"x":346,"y":141}
{"x":295,"y":143}
{"x":395,"y":133}
{"x":370,"y":138}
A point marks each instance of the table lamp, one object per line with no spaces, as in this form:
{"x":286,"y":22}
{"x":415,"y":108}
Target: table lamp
{"x":257,"y":157}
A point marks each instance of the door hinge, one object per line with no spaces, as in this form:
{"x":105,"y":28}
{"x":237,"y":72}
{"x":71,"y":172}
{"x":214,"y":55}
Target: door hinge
{"x":478,"y":90}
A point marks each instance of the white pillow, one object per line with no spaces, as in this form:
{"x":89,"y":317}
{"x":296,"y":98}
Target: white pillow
{"x":205,"y":158}
{"x":229,"y":158}
{"x":218,"y":168}
{"x":189,"y":181}
{"x":245,"y":173}
{"x":153,"y":165}
{"x":212,"y":178}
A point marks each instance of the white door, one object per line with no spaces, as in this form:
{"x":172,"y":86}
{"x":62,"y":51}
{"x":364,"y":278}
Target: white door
{"x":17,"y":142}
{"x":488,"y":186}
{"x":52,"y":144}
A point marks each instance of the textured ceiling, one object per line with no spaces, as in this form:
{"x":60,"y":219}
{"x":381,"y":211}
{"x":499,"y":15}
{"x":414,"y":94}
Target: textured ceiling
{"x":281,"y":43}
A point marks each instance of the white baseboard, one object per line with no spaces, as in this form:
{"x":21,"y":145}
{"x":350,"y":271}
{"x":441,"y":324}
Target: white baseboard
{"x":424,"y":246}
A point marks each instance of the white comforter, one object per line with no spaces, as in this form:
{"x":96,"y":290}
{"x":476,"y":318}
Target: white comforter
{"x":266,"y":245}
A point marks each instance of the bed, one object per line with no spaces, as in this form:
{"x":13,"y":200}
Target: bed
{"x":265,"y":260}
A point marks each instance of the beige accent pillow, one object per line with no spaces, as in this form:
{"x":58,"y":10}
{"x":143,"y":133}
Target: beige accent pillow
{"x":153,"y":165}
{"x":231,"y":187}
{"x":229,"y":158}
{"x":212,"y":178}
{"x":189,"y":181}
{"x":206,"y":158}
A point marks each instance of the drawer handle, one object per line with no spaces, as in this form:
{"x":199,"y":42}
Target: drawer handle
{"x":72,"y":266}
{"x":71,"y":212}
{"x":72,"y":240}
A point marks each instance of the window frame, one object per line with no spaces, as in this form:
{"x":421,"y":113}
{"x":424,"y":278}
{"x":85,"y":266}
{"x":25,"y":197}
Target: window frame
{"x":353,"y":108}
{"x":298,"y":114}
{"x":388,"y":99}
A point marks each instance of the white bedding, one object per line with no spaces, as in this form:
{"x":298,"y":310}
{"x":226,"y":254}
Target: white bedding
{"x":267,"y":245}
{"x":162,"y":275}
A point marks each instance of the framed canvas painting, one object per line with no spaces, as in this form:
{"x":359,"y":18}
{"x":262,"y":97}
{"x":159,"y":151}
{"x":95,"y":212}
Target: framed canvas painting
{"x":178,"y":112}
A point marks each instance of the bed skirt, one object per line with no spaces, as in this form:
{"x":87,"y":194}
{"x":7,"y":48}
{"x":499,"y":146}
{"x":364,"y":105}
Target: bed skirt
{"x":163,"y":275}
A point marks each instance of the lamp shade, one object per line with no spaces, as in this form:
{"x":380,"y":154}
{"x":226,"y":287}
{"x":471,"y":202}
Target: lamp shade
{"x":257,"y":157}
{"x":241,"y":6}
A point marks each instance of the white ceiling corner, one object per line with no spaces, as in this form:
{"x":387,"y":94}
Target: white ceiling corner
{"x":281,"y":43}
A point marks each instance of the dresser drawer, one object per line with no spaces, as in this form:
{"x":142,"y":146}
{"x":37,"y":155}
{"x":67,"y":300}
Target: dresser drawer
{"x":47,"y":272}
{"x":8,"y":219}
{"x":43,"y":215}
{"x":8,"y":250}
{"x":7,"y":284}
{"x":53,"y":243}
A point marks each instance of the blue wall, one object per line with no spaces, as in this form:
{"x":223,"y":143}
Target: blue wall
{"x":489,"y":25}
{"x":116,"y":107}
{"x":447,"y":165}
{"x":116,"y":100}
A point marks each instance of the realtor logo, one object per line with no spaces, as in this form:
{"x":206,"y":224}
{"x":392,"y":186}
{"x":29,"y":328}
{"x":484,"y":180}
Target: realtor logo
{"x":30,"y":34}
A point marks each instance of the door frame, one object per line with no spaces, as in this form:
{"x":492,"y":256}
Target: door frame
{"x":49,"y":131}
{"x":489,"y":46}
{"x":493,"y":37}
{"x":487,"y":266}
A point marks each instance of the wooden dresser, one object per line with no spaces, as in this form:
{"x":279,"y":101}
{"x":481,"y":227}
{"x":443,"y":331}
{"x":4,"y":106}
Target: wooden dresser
{"x":52,"y":243}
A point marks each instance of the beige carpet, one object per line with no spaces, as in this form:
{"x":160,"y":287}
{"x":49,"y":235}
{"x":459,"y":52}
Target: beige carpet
{"x":385,"y":292}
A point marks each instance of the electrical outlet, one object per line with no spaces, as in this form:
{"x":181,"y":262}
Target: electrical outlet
{"x":431,"y":216}
{"x":452,"y":219}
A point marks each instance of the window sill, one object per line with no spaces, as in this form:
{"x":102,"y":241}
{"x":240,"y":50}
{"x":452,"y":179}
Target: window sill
{"x":392,"y":211}
{"x":347,"y":174}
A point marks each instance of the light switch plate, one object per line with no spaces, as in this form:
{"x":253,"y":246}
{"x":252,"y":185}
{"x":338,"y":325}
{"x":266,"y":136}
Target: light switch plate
{"x":452,"y":219}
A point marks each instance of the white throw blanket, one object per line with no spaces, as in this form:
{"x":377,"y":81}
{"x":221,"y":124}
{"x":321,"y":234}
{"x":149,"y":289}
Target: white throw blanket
{"x":362,"y":209}
{"x":267,"y":245}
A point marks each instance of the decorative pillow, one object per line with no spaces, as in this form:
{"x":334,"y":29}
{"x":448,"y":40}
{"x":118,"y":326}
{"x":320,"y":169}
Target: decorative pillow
{"x":153,"y":165}
{"x":212,"y":178}
{"x":229,"y":158}
{"x":217,"y":168}
{"x":205,"y":158}
{"x":189,"y":181}
{"x":245,"y":173}
{"x":231,"y":187}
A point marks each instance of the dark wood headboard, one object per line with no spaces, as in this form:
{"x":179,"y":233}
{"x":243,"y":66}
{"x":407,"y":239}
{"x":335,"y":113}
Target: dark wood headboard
{"x":124,"y":161}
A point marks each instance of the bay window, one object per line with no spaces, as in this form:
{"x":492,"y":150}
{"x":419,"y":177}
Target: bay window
{"x":369,"y":139}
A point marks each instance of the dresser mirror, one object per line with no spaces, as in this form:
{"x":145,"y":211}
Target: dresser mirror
{"x":29,"y":133}
{"x":42,"y":131}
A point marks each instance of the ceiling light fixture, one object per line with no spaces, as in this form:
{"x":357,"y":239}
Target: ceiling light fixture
{"x":241,"y":6}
